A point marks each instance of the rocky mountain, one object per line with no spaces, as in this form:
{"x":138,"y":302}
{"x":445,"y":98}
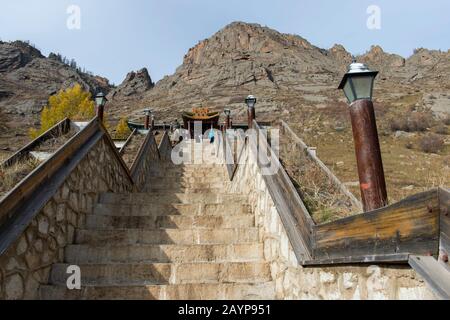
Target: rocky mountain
{"x":285,"y":71}
{"x":27,"y":79}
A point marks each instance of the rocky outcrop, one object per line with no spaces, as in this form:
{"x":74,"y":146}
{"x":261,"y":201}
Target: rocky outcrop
{"x":27,"y":79}
{"x":135,"y":83}
{"x":340,"y":54}
{"x":377,"y":58}
{"x":283,"y":70}
{"x":16,"y":55}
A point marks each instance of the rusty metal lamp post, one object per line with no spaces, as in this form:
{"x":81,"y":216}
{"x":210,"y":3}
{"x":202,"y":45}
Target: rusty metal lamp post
{"x":148,"y":114}
{"x":228,"y":119}
{"x":100,"y":101}
{"x":357,"y":85}
{"x":251,"y":102}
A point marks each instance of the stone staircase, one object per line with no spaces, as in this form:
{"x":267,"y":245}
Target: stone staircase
{"x":183,"y":238}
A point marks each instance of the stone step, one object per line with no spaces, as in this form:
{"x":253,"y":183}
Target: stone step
{"x":168,"y":236}
{"x":260,"y":291}
{"x":83,"y":254}
{"x":201,"y":168}
{"x":171,"y":166}
{"x":155,"y":184}
{"x":163,"y":273}
{"x":170,"y":222}
{"x":185,"y":190}
{"x":189,"y":180}
{"x":189,"y":174}
{"x":157,"y":209}
{"x":153,"y":198}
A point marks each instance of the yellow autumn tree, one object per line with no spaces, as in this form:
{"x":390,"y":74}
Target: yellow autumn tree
{"x":122,"y":131}
{"x":73,"y":103}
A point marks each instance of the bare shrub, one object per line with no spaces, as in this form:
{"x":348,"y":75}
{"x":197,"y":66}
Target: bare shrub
{"x":446,"y":120}
{"x":442,"y":130}
{"x":416,"y":122}
{"x":399,"y":124}
{"x":432,"y":143}
{"x":419,"y":122}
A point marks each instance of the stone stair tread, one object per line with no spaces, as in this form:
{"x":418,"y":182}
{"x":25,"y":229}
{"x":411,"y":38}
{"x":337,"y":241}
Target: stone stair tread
{"x":200,"y":222}
{"x":168,"y":236}
{"x":164,"y":253}
{"x":184,"y":190}
{"x":260,"y":291}
{"x":165,"y":273}
{"x":164,"y":178}
{"x":181,"y":209}
{"x":149,"y":198}
{"x":185,"y":236}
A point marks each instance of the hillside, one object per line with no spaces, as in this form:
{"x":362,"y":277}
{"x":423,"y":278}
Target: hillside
{"x":27,"y":79}
{"x":296,"y":81}
{"x":293,"y":80}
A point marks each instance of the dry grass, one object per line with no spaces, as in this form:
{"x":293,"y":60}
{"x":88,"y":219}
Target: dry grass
{"x":11,"y":176}
{"x":324,"y":200}
{"x":442,"y":129}
{"x":407,"y":168}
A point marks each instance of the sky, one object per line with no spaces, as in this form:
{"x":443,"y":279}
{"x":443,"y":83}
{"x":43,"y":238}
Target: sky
{"x":113,"y":37}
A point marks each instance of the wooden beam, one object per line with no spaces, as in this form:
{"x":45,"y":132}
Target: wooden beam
{"x":435,"y":275}
{"x":24,"y":189}
{"x":444,"y":245}
{"x":293,"y":213}
{"x":121,"y":151}
{"x":110,"y":144}
{"x":165,"y":147}
{"x":401,"y":258}
{"x":30,"y":206}
{"x":408,"y":227}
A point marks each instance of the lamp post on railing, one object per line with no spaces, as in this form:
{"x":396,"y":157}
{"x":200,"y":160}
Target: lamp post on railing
{"x":251,"y":102}
{"x":100,"y":101}
{"x":148,"y":114}
{"x":228,"y":119}
{"x":357,"y":85}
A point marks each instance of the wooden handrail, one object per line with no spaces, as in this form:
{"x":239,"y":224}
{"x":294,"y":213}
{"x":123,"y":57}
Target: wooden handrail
{"x":444,"y":203}
{"x":140,"y":161}
{"x":127,"y":142}
{"x":24,"y":201}
{"x":233,"y":156}
{"x":165,"y":147}
{"x":413,"y":226}
{"x":410,"y":226}
{"x":293,"y":213}
{"x":228,"y":156}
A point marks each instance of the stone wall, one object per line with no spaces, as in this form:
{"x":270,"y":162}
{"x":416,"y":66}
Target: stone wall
{"x":165,"y":148}
{"x":336,"y":283}
{"x":26,"y":265}
{"x":149,"y":161}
